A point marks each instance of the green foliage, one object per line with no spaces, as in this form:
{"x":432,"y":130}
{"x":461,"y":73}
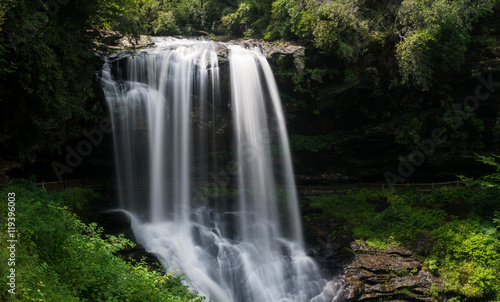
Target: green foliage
{"x":125,"y":16}
{"x":283,"y":11}
{"x":239,"y":21}
{"x":75,"y":198}
{"x":491,"y":180}
{"x":166,"y":24}
{"x":5,"y":67}
{"x":52,"y":88}
{"x":433,"y":33}
{"x":250,"y":19}
{"x":78,"y":263}
{"x":354,"y":208}
{"x":409,"y":132}
{"x":404,"y":222}
{"x":414,"y":56}
{"x":470,"y":258}
{"x":434,"y":37}
{"x":465,"y":251}
{"x":314,"y":143}
{"x":340,"y":28}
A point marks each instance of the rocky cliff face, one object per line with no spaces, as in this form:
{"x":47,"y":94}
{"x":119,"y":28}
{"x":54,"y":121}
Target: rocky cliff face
{"x":391,"y":274}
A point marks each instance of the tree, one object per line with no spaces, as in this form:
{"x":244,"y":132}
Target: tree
{"x":491,"y":180}
{"x":52,"y":89}
{"x":434,"y":36}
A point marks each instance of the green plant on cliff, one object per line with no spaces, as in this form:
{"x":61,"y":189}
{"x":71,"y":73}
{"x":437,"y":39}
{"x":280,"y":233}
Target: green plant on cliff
{"x":434,"y":37}
{"x":332,"y":27}
{"x":340,"y":29}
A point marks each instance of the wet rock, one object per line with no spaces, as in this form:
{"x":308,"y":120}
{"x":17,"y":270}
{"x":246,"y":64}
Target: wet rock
{"x":114,"y":40}
{"x":290,"y":55}
{"x":391,"y":274}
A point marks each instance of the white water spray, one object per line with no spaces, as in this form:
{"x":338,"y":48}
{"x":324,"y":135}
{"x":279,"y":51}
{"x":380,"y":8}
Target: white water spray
{"x":165,"y":113}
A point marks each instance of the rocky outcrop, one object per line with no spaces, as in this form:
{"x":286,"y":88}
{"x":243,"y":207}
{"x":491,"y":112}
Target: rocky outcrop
{"x":368,"y":273}
{"x":115,"y":41}
{"x":390,"y":274}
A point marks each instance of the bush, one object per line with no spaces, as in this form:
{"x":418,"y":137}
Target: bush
{"x":75,"y":198}
{"x":60,"y":258}
{"x":469,"y":257}
{"x":166,"y":24}
{"x":404,"y":223}
{"x":434,"y":37}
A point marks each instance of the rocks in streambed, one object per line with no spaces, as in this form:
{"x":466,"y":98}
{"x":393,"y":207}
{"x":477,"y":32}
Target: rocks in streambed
{"x":391,"y":274}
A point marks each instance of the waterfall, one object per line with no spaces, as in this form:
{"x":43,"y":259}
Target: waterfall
{"x":235,"y":232}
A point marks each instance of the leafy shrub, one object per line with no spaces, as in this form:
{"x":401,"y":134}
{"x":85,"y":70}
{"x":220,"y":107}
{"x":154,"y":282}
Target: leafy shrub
{"x":60,"y":258}
{"x":75,"y":198}
{"x":166,"y":24}
{"x":491,"y":180}
{"x":344,"y":206}
{"x":340,"y":28}
{"x":434,"y":37}
{"x":285,"y":14}
{"x":470,"y":258}
{"x":250,"y":19}
{"x":404,"y":222}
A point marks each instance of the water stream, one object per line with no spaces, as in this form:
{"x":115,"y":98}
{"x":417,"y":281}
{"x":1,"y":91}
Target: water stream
{"x":235,"y":233}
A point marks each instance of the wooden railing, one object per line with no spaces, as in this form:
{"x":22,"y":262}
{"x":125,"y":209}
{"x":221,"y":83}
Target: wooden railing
{"x":343,"y":188}
{"x":96,"y":184}
{"x":103,"y":185}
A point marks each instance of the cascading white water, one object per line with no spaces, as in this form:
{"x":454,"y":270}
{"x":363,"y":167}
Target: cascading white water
{"x":164,"y":112}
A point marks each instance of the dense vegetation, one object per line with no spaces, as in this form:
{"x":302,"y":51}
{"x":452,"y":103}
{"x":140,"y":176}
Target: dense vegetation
{"x":454,"y":231}
{"x":60,"y":258}
{"x":47,"y":73}
{"x":48,"y":62}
